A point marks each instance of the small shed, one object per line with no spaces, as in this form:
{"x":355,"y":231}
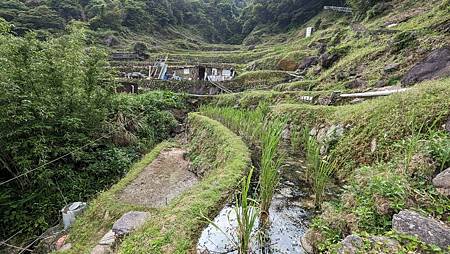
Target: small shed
{"x":210,"y":72}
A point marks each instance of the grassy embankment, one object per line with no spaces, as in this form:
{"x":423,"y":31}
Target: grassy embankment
{"x":390,"y":150}
{"x":175,"y":228}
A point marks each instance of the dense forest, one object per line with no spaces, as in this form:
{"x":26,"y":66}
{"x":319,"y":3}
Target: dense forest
{"x":223,"y":21}
{"x":214,"y":19}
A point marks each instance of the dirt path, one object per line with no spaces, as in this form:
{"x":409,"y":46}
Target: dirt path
{"x":161,"y":181}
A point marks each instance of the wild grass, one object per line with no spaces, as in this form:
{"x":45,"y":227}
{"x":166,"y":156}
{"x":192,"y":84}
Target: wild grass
{"x":271,"y":161}
{"x":440,"y":148}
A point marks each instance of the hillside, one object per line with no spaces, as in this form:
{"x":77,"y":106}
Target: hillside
{"x":338,"y":142}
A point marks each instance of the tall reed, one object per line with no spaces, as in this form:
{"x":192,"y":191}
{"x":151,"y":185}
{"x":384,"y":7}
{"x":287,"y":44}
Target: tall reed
{"x":271,"y":161}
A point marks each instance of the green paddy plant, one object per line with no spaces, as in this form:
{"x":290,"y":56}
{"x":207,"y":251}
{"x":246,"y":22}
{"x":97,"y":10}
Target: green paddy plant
{"x":318,"y":171}
{"x":312,"y":155}
{"x":271,"y":161}
{"x":247,"y":214}
{"x":321,"y":177}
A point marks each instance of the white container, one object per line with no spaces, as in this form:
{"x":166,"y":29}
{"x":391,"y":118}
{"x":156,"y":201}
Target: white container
{"x":71,"y":211}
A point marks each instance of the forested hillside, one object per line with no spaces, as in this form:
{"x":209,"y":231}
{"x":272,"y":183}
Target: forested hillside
{"x":216,"y":21}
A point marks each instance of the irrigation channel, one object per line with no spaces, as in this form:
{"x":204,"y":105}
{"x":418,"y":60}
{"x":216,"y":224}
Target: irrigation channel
{"x":289,"y":218}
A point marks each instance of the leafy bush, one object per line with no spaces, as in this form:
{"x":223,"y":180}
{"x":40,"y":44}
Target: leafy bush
{"x":402,"y":41}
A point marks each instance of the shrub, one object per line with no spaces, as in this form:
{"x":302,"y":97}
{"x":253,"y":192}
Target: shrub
{"x":402,"y":41}
{"x":360,"y":7}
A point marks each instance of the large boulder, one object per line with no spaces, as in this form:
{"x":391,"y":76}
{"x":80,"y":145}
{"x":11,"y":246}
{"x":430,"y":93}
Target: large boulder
{"x":428,"y":230}
{"x":442,"y":182}
{"x":111,"y":41}
{"x":310,"y":240}
{"x":287,"y":65}
{"x":435,"y":65}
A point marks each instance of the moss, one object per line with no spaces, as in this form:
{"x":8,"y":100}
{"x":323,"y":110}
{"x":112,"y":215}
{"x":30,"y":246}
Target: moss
{"x":177,"y":227}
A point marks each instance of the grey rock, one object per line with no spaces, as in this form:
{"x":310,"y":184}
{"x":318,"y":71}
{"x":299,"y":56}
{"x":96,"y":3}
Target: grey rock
{"x":428,"y":230}
{"x":354,"y":84}
{"x":308,"y":241}
{"x":327,"y":60}
{"x":435,"y":65}
{"x":286,"y":134}
{"x":386,"y":244}
{"x":108,"y":239}
{"x":326,"y":136}
{"x":307,"y":247}
{"x":129,"y":222}
{"x":111,"y":41}
{"x":102,"y":249}
{"x":442,"y":182}
{"x":352,"y":244}
{"x":447,"y":125}
{"x":65,"y":247}
{"x":357,"y":100}
{"x":391,"y":67}
{"x":307,"y":62}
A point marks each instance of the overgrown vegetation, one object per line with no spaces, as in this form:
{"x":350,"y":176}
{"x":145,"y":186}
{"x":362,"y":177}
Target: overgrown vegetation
{"x":62,"y":126}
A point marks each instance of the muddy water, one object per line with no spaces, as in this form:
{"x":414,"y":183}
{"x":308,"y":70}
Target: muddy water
{"x":288,"y":223}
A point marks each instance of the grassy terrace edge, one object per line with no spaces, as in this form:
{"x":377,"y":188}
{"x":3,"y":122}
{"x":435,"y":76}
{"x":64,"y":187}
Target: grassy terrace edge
{"x":104,"y":210}
{"x":175,"y":229}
